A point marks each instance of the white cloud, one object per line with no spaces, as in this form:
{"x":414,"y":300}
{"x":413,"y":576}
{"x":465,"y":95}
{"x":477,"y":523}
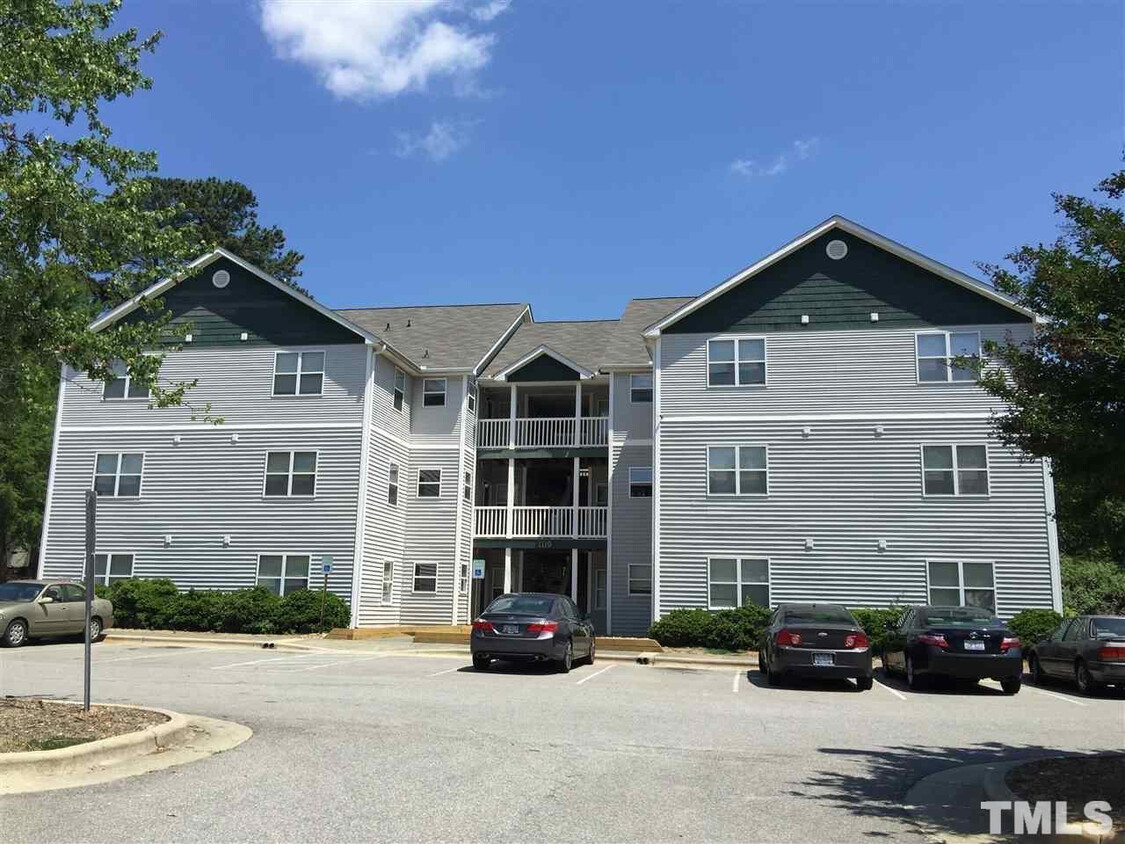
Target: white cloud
{"x":444,"y":138}
{"x":363,"y":49}
{"x":800,"y":150}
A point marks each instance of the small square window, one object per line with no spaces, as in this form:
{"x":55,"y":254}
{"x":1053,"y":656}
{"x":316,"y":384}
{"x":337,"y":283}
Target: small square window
{"x":122,"y":385}
{"x":425,"y":577}
{"x":290,"y":473}
{"x":283,"y":574}
{"x":936,"y":351}
{"x":640,"y":579}
{"x":734,"y":582}
{"x":737,"y":470}
{"x":298,"y":373}
{"x":118,"y":474}
{"x":960,"y":470}
{"x":433,"y":392}
{"x":429,"y":483}
{"x":640,"y":389}
{"x":962,"y":584}
{"x":737,"y":362}
{"x":640,"y":482}
{"x":110,"y":568}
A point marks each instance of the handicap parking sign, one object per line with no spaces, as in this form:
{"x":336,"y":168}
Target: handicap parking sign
{"x":478,"y":569}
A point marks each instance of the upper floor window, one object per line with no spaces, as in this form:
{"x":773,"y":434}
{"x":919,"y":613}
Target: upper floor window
{"x":110,"y":568}
{"x":291,"y":473}
{"x":640,"y":389}
{"x":737,"y":470}
{"x":962,"y":584}
{"x":399,"y":389}
{"x":471,"y":399}
{"x":737,"y":362}
{"x":955,"y":469}
{"x":433,"y":392}
{"x":283,"y":574}
{"x":298,"y":373}
{"x":118,"y":474}
{"x":392,"y":485}
{"x":936,"y":351}
{"x":122,"y":385}
{"x":640,"y":482}
{"x":429,"y":483}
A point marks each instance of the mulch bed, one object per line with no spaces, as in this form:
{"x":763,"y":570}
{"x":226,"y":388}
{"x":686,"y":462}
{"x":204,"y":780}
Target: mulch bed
{"x":1077,"y":780}
{"x":46,"y":725}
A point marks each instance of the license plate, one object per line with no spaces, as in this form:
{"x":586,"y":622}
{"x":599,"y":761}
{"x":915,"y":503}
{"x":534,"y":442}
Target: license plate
{"x":823,"y":659}
{"x":509,"y":628}
{"x":974,"y":646}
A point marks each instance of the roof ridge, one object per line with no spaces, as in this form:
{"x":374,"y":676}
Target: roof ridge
{"x":456,"y":305}
{"x":578,"y":321}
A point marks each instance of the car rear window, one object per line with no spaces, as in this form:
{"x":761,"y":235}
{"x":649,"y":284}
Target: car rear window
{"x":958,"y":617}
{"x":522,"y":605}
{"x":1109,"y":627}
{"x":819,"y":615}
{"x":21,"y":592}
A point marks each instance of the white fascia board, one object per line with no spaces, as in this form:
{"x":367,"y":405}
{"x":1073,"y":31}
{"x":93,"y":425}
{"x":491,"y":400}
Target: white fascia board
{"x":504,"y":338}
{"x":538,"y":351}
{"x":863,"y":233}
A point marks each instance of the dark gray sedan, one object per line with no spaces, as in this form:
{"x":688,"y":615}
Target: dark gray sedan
{"x":535,"y":627}
{"x":1090,"y":650}
{"x":815,"y":640}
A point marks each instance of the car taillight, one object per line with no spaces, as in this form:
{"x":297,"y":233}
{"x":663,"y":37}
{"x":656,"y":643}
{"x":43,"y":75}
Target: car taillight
{"x":1111,"y":652}
{"x":1009,"y":642}
{"x":856,"y":640}
{"x":787,"y":637}
{"x":481,"y":624}
{"x":935,"y":639}
{"x":543,"y":627}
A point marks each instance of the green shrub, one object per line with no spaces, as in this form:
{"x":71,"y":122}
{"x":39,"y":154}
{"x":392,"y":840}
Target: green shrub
{"x":731,"y":630}
{"x":1034,"y":626}
{"x":299,"y":612}
{"x":682,"y":628}
{"x":102,"y":591}
{"x":141,"y":604}
{"x":249,"y":611}
{"x":1092,"y":585}
{"x":877,"y":623}
{"x":197,"y":611}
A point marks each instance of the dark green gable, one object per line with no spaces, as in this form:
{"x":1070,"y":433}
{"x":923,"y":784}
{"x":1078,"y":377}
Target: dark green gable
{"x":843,"y":294}
{"x":544,"y":368}
{"x":219,"y":316}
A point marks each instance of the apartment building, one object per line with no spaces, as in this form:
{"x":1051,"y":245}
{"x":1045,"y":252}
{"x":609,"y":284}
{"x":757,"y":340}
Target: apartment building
{"x":801,"y":431}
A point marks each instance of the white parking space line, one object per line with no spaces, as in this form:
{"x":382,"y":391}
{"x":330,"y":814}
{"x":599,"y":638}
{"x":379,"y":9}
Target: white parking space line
{"x":349,"y":660}
{"x":894,"y":692}
{"x":1061,"y":697}
{"x":736,"y":683}
{"x":592,"y":676}
{"x":176,"y":652}
{"x":446,"y":671}
{"x":260,"y":661}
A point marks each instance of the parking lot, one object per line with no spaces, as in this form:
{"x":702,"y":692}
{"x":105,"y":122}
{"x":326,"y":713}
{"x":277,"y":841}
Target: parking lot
{"x":390,"y":745}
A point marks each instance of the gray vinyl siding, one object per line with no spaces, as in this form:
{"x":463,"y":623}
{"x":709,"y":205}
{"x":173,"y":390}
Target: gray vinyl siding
{"x":632,"y":543}
{"x":435,"y":425}
{"x":430,"y":536}
{"x":384,"y":530}
{"x":382,"y":405}
{"x":630,"y":421}
{"x":846,"y":488}
{"x":822,"y":372}
{"x":201,"y":490}
{"x":238,"y":382}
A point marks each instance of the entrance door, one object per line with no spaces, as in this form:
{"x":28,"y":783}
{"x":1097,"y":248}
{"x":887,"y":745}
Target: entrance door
{"x":546,"y":571}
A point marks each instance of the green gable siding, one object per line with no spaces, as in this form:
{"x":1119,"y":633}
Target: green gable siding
{"x":218,"y":316}
{"x":842,"y":294}
{"x":544,"y":368}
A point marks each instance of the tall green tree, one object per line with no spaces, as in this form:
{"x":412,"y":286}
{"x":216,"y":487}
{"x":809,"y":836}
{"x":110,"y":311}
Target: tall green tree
{"x":77,"y":234}
{"x":1066,"y":389}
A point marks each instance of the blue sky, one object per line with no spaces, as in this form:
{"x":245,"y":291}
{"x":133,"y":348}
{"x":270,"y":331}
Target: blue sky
{"x":579,"y":154}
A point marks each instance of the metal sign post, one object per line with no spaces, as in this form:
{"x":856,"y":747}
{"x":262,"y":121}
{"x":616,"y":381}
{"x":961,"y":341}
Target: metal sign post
{"x":91,"y":545}
{"x":326,"y":568}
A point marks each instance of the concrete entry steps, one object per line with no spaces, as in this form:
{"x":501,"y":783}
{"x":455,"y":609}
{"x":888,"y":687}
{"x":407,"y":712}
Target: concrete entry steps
{"x":459,"y":635}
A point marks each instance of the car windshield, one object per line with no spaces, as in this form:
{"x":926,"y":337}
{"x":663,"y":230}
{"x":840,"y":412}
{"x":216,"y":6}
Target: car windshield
{"x":818,"y":615}
{"x":522,"y":605}
{"x":20,"y":592}
{"x":959,"y":617}
{"x":1109,"y":627}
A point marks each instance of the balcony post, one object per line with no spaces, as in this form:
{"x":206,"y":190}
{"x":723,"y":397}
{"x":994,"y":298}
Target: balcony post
{"x":574,"y":575}
{"x":510,"y":514}
{"x":574,"y":502}
{"x":512,"y":418}
{"x":507,"y":571}
{"x":578,"y":414}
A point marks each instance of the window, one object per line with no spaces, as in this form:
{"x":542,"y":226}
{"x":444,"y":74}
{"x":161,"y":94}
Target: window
{"x":955,"y":470}
{"x":472,"y":398}
{"x":433,"y":392}
{"x":640,"y":482}
{"x":110,"y":568}
{"x":734,"y":582}
{"x":392,"y":485}
{"x":640,"y":579}
{"x":961,"y":584}
{"x":738,"y":362}
{"x":291,"y":473}
{"x":399,"y":389}
{"x":118,"y":474}
{"x":425,"y":577}
{"x":601,"y":495}
{"x":737,"y":470}
{"x":388,"y":582}
{"x":122,"y":385}
{"x":283,"y":574}
{"x":429,"y":483}
{"x":935,"y":351}
{"x":640,"y":389}
{"x":599,"y":589}
{"x":468,"y":488}
{"x":463,"y":579}
{"x":72,"y":593}
{"x":298,"y":373}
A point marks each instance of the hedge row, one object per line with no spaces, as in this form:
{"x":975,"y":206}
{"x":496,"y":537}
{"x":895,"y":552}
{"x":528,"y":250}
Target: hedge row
{"x":158,"y":605}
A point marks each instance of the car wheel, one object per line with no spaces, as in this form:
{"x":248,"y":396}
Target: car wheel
{"x":1086,"y":682}
{"x":913,"y":680}
{"x":1011,"y":685}
{"x":593,"y":648}
{"x":481,"y":663}
{"x":567,"y":661}
{"x":864,"y":684}
{"x":1035,"y":670}
{"x":16,"y":634}
{"x":95,"y":629}
{"x":774,"y":678}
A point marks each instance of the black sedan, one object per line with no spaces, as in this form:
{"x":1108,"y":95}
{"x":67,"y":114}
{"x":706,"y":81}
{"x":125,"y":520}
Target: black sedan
{"x":532,"y":626}
{"x":1090,"y":650}
{"x":960,"y":643}
{"x":814,"y":640}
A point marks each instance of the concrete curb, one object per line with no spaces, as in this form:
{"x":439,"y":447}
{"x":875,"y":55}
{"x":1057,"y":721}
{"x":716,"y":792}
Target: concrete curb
{"x":196,"y":641}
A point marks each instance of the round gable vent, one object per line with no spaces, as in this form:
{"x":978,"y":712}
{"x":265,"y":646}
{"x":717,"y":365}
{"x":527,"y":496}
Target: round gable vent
{"x":836,"y":249}
{"x":220,"y":279}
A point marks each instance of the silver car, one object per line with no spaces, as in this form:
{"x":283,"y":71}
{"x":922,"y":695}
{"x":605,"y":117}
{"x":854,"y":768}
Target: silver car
{"x":30,"y":609}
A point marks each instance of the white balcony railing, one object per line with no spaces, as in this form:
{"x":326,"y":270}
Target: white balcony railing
{"x":592,"y":522}
{"x":491,"y":521}
{"x":543,"y":432}
{"x":541,"y":522}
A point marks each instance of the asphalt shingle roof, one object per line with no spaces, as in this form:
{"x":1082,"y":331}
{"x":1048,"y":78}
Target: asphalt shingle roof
{"x":626,"y":346}
{"x":439,"y":336}
{"x":580,"y":341}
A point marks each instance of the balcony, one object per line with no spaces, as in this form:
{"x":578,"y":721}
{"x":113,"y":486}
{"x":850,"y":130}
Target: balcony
{"x":541,"y":522}
{"x":543,"y":432}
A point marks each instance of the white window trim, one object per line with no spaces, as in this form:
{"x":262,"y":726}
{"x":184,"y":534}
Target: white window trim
{"x":384,"y":600}
{"x":947,"y":357}
{"x":738,"y":584}
{"x":630,"y":579}
{"x":738,"y":493}
{"x":128,"y":378}
{"x":651,"y":387}
{"x":285,"y":555}
{"x":956,"y":479}
{"x":289,"y":486}
{"x":472,"y":398}
{"x":394,"y":389}
{"x":463,"y":579}
{"x":415,"y":576}
{"x":651,"y":481}
{"x":765,"y":361}
{"x":323,"y":373}
{"x":444,"y":392}
{"x":103,"y":579}
{"x":418,"y":486}
{"x":466,"y":487}
{"x":961,"y":580}
{"x":396,"y":484}
{"x":117,"y":475}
